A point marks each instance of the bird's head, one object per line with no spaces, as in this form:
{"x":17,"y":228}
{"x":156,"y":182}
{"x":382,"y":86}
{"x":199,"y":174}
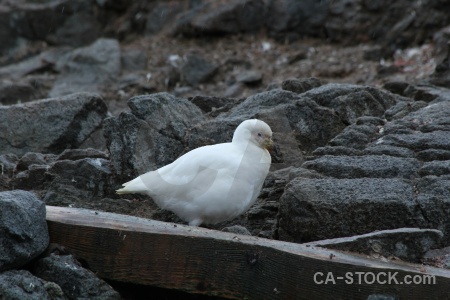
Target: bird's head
{"x":254,"y":131}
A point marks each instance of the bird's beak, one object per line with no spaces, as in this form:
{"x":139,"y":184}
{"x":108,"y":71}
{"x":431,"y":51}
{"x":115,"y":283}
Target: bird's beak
{"x":268,"y":144}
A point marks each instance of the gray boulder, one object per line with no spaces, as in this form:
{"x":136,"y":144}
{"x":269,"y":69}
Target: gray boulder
{"x":23,"y":229}
{"x":88,"y":69}
{"x":375,"y":166}
{"x":22,"y":285}
{"x":408,"y":244}
{"x":150,"y":136}
{"x":75,"y":281}
{"x":222,"y":17}
{"x":316,"y":209}
{"x":50,"y":125}
{"x":196,"y":69}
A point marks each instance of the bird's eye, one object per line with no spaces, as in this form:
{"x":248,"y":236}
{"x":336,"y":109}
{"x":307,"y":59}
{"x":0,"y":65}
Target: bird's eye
{"x":259,"y":134}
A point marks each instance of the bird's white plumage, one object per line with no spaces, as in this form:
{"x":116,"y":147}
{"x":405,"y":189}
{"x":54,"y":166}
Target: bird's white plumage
{"x":213,"y":183}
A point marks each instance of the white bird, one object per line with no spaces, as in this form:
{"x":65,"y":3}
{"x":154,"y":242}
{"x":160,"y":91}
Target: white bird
{"x":212,"y":183}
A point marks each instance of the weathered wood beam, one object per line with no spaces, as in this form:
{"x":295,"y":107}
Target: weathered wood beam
{"x":199,"y":260}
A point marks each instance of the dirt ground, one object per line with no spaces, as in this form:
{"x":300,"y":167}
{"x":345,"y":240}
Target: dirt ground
{"x":360,"y":64}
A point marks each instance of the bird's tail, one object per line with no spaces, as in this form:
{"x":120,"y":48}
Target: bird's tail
{"x":134,"y":186}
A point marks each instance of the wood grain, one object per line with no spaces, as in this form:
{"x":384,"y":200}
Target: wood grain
{"x":203,"y":261}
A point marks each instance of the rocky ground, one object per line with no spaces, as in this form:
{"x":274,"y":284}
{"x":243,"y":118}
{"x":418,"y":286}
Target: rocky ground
{"x":356,"y":92}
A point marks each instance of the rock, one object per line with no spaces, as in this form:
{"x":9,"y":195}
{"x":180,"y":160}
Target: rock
{"x":353,"y":101}
{"x":403,"y":109}
{"x":356,"y":136}
{"x":433,"y":198}
{"x":221,"y":17}
{"x":238,"y":229}
{"x":296,"y":18}
{"x":76,"y":154}
{"x":23,"y":229}
{"x":196,"y":69}
{"x":61,"y":22}
{"x":249,"y":77}
{"x":253,"y":104}
{"x":133,"y":60}
{"x":316,"y":209}
{"x":372,"y":166}
{"x":21,"y":284}
{"x":418,"y":141}
{"x":160,"y":15}
{"x":14,"y":93}
{"x":50,"y":125}
{"x":436,"y":168}
{"x":150,"y":136}
{"x":433,"y":154}
{"x":88,"y":69}
{"x":69,"y":182}
{"x":441,"y":74}
{"x":8,"y":164}
{"x":439,"y":258}
{"x":32,"y":158}
{"x":396,"y":87}
{"x":75,"y":281}
{"x":300,"y":85}
{"x":408,"y":244}
{"x":207,"y":103}
{"x":41,"y":62}
{"x":389,"y":150}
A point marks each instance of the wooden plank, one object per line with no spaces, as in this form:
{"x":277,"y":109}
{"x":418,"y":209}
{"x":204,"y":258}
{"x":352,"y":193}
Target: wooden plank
{"x":203,"y":261}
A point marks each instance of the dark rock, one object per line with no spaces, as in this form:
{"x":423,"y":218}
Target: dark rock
{"x":71,"y":182}
{"x":50,"y":125}
{"x":438,"y":257}
{"x":8,"y":164}
{"x":298,"y":17}
{"x":388,"y":150}
{"x":408,"y":244}
{"x":396,"y":87}
{"x":300,"y":85}
{"x":196,"y":69}
{"x":238,"y":229}
{"x":208,"y":104}
{"x":75,"y":281}
{"x":61,"y":22}
{"x":355,"y":136}
{"x":133,"y":60}
{"x":44,"y":61}
{"x":7,"y":36}
{"x":88,"y":69}
{"x":436,"y":168}
{"x":151,"y":135}
{"x":441,"y":74}
{"x":418,"y":141}
{"x":337,"y":151}
{"x":433,"y":154}
{"x":315,"y":209}
{"x":222,"y":18}
{"x":21,"y":284}
{"x":373,"y":166}
{"x":234,"y":90}
{"x":427,"y":93}
{"x":161,"y":15}
{"x":253,"y":104}
{"x":75,"y":154}
{"x":32,"y":158}
{"x":434,"y":201}
{"x":23,"y":229}
{"x":14,"y":93}
{"x":249,"y":77}
{"x":346,"y":98}
{"x":402,"y":109}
